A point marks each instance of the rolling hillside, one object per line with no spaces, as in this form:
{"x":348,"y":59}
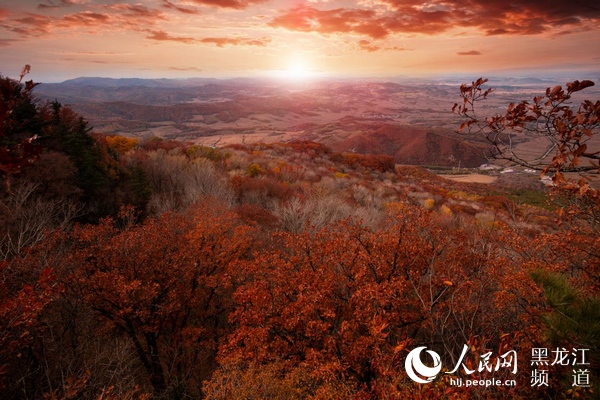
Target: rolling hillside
{"x":411,"y":122}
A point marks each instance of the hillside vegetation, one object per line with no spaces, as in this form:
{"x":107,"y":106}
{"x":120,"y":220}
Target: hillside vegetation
{"x":152,"y":268}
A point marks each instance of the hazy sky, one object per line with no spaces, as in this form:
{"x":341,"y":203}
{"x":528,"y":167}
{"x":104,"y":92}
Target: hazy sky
{"x":63,"y":39}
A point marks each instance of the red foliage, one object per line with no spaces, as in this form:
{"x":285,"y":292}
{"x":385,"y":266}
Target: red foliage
{"x":157,"y":143}
{"x":347,"y":302}
{"x":254,"y":214}
{"x":309,"y":147}
{"x":500,"y":203}
{"x":20,"y":310}
{"x":249,"y":189}
{"x":375,"y":162}
{"x":163,"y":283}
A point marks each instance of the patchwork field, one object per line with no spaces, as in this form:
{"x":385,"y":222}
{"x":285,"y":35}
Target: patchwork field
{"x":472,"y":178}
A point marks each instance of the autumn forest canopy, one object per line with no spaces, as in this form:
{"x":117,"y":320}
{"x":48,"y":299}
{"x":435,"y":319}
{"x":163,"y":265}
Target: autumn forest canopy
{"x":146,"y":268}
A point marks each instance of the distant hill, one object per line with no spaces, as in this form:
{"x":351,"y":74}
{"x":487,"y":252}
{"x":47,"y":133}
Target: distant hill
{"x":411,"y":122}
{"x":416,"y":146}
{"x":146,"y":91}
{"x":162,"y":82}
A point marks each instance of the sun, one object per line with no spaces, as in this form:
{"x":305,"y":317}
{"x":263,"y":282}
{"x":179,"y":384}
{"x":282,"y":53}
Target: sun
{"x":297,"y":69}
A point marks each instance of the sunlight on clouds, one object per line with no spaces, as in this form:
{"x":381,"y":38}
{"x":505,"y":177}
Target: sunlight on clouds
{"x":301,"y":39}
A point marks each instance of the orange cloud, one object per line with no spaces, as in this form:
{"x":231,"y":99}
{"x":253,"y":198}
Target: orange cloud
{"x":164,"y":36}
{"x":235,"y":4}
{"x":60,"y":3}
{"x":85,"y":18}
{"x":168,"y":4}
{"x":397,"y":48}
{"x":309,"y":19}
{"x":222,"y":42}
{"x":136,"y":10}
{"x":492,"y":17}
{"x":218,"y":41}
{"x":368,"y":46}
{"x":469,"y":53}
{"x":135,"y":17}
{"x":31,"y":25}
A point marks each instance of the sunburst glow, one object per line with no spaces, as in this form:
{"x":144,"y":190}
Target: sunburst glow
{"x":296,"y":70}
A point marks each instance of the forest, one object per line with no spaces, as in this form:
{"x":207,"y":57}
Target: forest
{"x":157,"y":269}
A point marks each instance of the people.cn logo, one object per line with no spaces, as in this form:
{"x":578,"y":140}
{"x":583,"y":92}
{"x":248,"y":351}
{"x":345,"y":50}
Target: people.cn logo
{"x":415,"y":368}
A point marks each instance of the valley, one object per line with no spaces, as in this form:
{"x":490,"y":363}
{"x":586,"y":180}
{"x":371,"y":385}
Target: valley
{"x":411,"y":121}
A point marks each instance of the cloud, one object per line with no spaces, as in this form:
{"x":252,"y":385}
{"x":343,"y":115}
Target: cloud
{"x":498,"y":31}
{"x":309,"y":19}
{"x":235,"y":4}
{"x":368,"y":20}
{"x":30,"y":25}
{"x":164,"y":36}
{"x":136,"y":11}
{"x":95,"y":53}
{"x":368,"y":46}
{"x":111,"y":17}
{"x":170,"y":5}
{"x":469,"y":53}
{"x":6,"y":42}
{"x":133,"y":16}
{"x":60,"y":3}
{"x":217,"y":41}
{"x":86,"y":19}
{"x":397,"y":48}
{"x":186,"y":69}
{"x":519,"y":17}
{"x":491,"y":17}
{"x":222,"y":41}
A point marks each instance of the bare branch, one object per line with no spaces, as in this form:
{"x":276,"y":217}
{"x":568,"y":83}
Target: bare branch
{"x":550,"y":117}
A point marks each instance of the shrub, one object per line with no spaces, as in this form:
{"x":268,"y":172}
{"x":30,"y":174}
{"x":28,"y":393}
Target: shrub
{"x":254,"y":170}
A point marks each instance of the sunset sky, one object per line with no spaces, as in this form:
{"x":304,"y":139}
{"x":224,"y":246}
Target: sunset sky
{"x":64,"y":39}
